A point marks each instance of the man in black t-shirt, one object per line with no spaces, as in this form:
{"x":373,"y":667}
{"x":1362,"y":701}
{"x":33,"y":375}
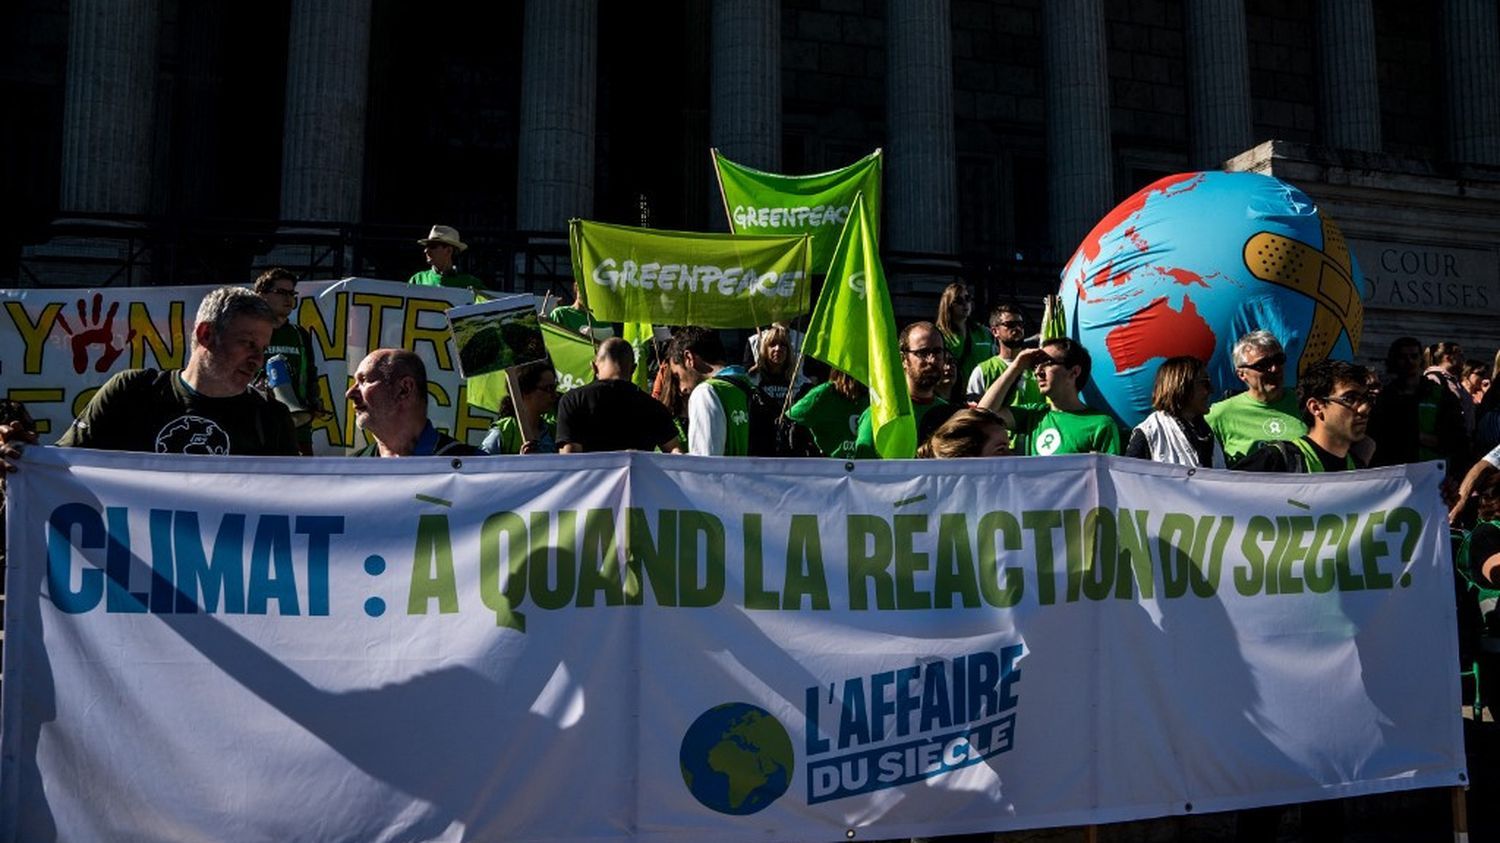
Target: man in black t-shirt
{"x":206,"y":407}
{"x":611,"y":413}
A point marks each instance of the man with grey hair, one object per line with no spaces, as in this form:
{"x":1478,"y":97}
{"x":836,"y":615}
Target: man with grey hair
{"x":1266,"y":411}
{"x":389,"y":396}
{"x":206,"y":407}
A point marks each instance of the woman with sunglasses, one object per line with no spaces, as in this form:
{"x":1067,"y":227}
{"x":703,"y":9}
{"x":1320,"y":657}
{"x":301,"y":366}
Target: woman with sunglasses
{"x":969,"y":343}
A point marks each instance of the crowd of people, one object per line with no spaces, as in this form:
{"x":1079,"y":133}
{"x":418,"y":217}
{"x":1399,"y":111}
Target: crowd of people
{"x":976,"y":390}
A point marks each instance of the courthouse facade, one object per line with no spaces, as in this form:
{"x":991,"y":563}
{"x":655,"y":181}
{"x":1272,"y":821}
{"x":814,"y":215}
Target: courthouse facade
{"x":185,"y":140}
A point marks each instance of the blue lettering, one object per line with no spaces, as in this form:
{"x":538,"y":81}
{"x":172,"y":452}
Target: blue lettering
{"x":60,"y":557}
{"x":117,"y":559}
{"x":271,"y":575}
{"x":163,"y":588}
{"x":854,"y":722}
{"x":195,"y":574}
{"x":319,"y":530}
{"x":935,"y":705}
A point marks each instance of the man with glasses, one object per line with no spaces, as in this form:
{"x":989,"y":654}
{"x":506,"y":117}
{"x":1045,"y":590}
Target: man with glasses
{"x":922,"y":357}
{"x":1337,"y":407}
{"x":278,"y":287}
{"x":1266,"y":411}
{"x":1061,"y":423}
{"x":1008,"y":327}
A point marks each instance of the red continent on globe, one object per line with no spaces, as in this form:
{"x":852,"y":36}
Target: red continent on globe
{"x":1157,"y":330}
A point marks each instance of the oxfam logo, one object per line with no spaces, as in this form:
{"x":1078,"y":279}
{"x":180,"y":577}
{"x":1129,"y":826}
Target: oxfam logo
{"x":1048,"y":442}
{"x":736,"y":758}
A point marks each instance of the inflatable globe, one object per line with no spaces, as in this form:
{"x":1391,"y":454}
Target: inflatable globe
{"x":736,"y":758}
{"x":1192,"y":263}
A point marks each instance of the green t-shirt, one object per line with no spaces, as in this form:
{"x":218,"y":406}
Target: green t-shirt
{"x":1049,"y":431}
{"x":832,"y":419}
{"x":574,"y":319}
{"x":1026,"y":390}
{"x":864,"y":439}
{"x":1241,"y":421}
{"x":452,"y":278}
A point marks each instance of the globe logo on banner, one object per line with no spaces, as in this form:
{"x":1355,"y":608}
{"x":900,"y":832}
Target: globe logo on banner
{"x":1193,"y":262}
{"x":736,"y":758}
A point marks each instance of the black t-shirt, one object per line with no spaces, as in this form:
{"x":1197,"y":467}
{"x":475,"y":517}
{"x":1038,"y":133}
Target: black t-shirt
{"x":154,"y":411}
{"x":613,"y":415}
{"x":1484,"y":542}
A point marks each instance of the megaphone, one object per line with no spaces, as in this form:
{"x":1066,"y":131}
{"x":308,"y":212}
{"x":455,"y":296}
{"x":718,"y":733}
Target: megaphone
{"x":279,"y":381}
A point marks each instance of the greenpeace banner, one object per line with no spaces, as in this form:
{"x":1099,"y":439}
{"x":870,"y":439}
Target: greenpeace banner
{"x":709,"y":648}
{"x":58,"y":346}
{"x":757,"y":202}
{"x":687,"y":278}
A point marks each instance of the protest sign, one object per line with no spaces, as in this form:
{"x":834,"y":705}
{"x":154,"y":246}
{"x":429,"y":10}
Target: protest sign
{"x":758,"y":202}
{"x":709,"y":648}
{"x":58,"y":346}
{"x":630,"y":274}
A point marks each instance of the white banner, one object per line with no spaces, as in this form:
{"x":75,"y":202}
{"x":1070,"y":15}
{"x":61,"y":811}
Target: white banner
{"x":57,"y":347}
{"x":659,"y":648}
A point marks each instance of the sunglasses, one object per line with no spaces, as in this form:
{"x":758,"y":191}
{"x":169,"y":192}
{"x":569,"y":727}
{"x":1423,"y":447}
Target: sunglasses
{"x":1275,"y":361}
{"x":1014,"y":324}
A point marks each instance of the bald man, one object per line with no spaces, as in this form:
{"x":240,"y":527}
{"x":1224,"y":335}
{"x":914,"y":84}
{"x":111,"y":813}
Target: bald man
{"x":613,"y":414}
{"x":389,"y":395}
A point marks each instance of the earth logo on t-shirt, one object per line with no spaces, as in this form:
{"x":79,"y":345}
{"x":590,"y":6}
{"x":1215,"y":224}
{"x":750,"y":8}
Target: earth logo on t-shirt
{"x":192,"y":435}
{"x":1048,"y":441}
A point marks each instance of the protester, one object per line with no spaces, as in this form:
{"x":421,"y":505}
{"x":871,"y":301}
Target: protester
{"x":576,"y":319}
{"x":1064,"y":424}
{"x":439,"y":248}
{"x":389,"y":395}
{"x":1476,"y":380}
{"x":668,"y":391}
{"x":1336,"y":408}
{"x":206,"y":407}
{"x":1415,"y":419}
{"x":293,"y":343}
{"x":922,"y":351}
{"x":969,"y":344}
{"x":533,"y":413}
{"x":1176,"y":432}
{"x":719,"y":395}
{"x":1476,"y":477}
{"x":611,"y":413}
{"x":1445,"y":366}
{"x":1266,"y":411}
{"x":1008,"y":327}
{"x":968,"y":433}
{"x":774,"y":361}
{"x":830,"y":414}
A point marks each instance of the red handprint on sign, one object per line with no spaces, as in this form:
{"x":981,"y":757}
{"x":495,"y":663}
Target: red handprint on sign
{"x":93,"y":331}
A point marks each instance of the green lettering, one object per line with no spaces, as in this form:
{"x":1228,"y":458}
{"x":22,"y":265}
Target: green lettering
{"x":1371,"y":549}
{"x":1000,"y":525}
{"x":869,"y":557}
{"x":1135,"y":556}
{"x":561,"y":558}
{"x":1041,"y":523}
{"x":1249,"y":578}
{"x":599,"y":563}
{"x":756,"y":595}
{"x":432,"y":568}
{"x":657,"y":558}
{"x":498,"y":598}
{"x":1101,"y":552}
{"x":954,"y":573}
{"x":909,"y":562}
{"x":698,"y":591}
{"x":804,"y":566}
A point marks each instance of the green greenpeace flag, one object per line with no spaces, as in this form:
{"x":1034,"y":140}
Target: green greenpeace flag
{"x":630,"y":274}
{"x":766,"y":203}
{"x":572,"y":355}
{"x":853,"y":328}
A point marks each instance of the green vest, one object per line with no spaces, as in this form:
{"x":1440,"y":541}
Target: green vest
{"x":735,"y":401}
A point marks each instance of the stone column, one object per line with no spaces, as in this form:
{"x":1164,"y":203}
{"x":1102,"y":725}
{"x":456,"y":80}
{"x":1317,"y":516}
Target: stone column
{"x":108,"y":106}
{"x":1218,"y":81}
{"x":1080,"y":181}
{"x":1471,"y":49}
{"x":921,"y":176}
{"x":1349,"y":102}
{"x":559,"y":59}
{"x":323,"y":141}
{"x":744,"y":101}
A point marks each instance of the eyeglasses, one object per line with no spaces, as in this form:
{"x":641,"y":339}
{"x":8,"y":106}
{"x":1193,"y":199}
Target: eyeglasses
{"x":1014,"y":324}
{"x":1352,"y":401}
{"x":290,"y":294}
{"x":1266,"y":364}
{"x":924,"y":353}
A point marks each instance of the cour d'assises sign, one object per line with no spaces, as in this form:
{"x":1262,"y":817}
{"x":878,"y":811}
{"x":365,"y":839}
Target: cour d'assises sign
{"x":1429,"y":277}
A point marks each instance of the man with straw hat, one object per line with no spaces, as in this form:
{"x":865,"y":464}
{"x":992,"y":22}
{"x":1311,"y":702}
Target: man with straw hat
{"x":438,"y":248}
